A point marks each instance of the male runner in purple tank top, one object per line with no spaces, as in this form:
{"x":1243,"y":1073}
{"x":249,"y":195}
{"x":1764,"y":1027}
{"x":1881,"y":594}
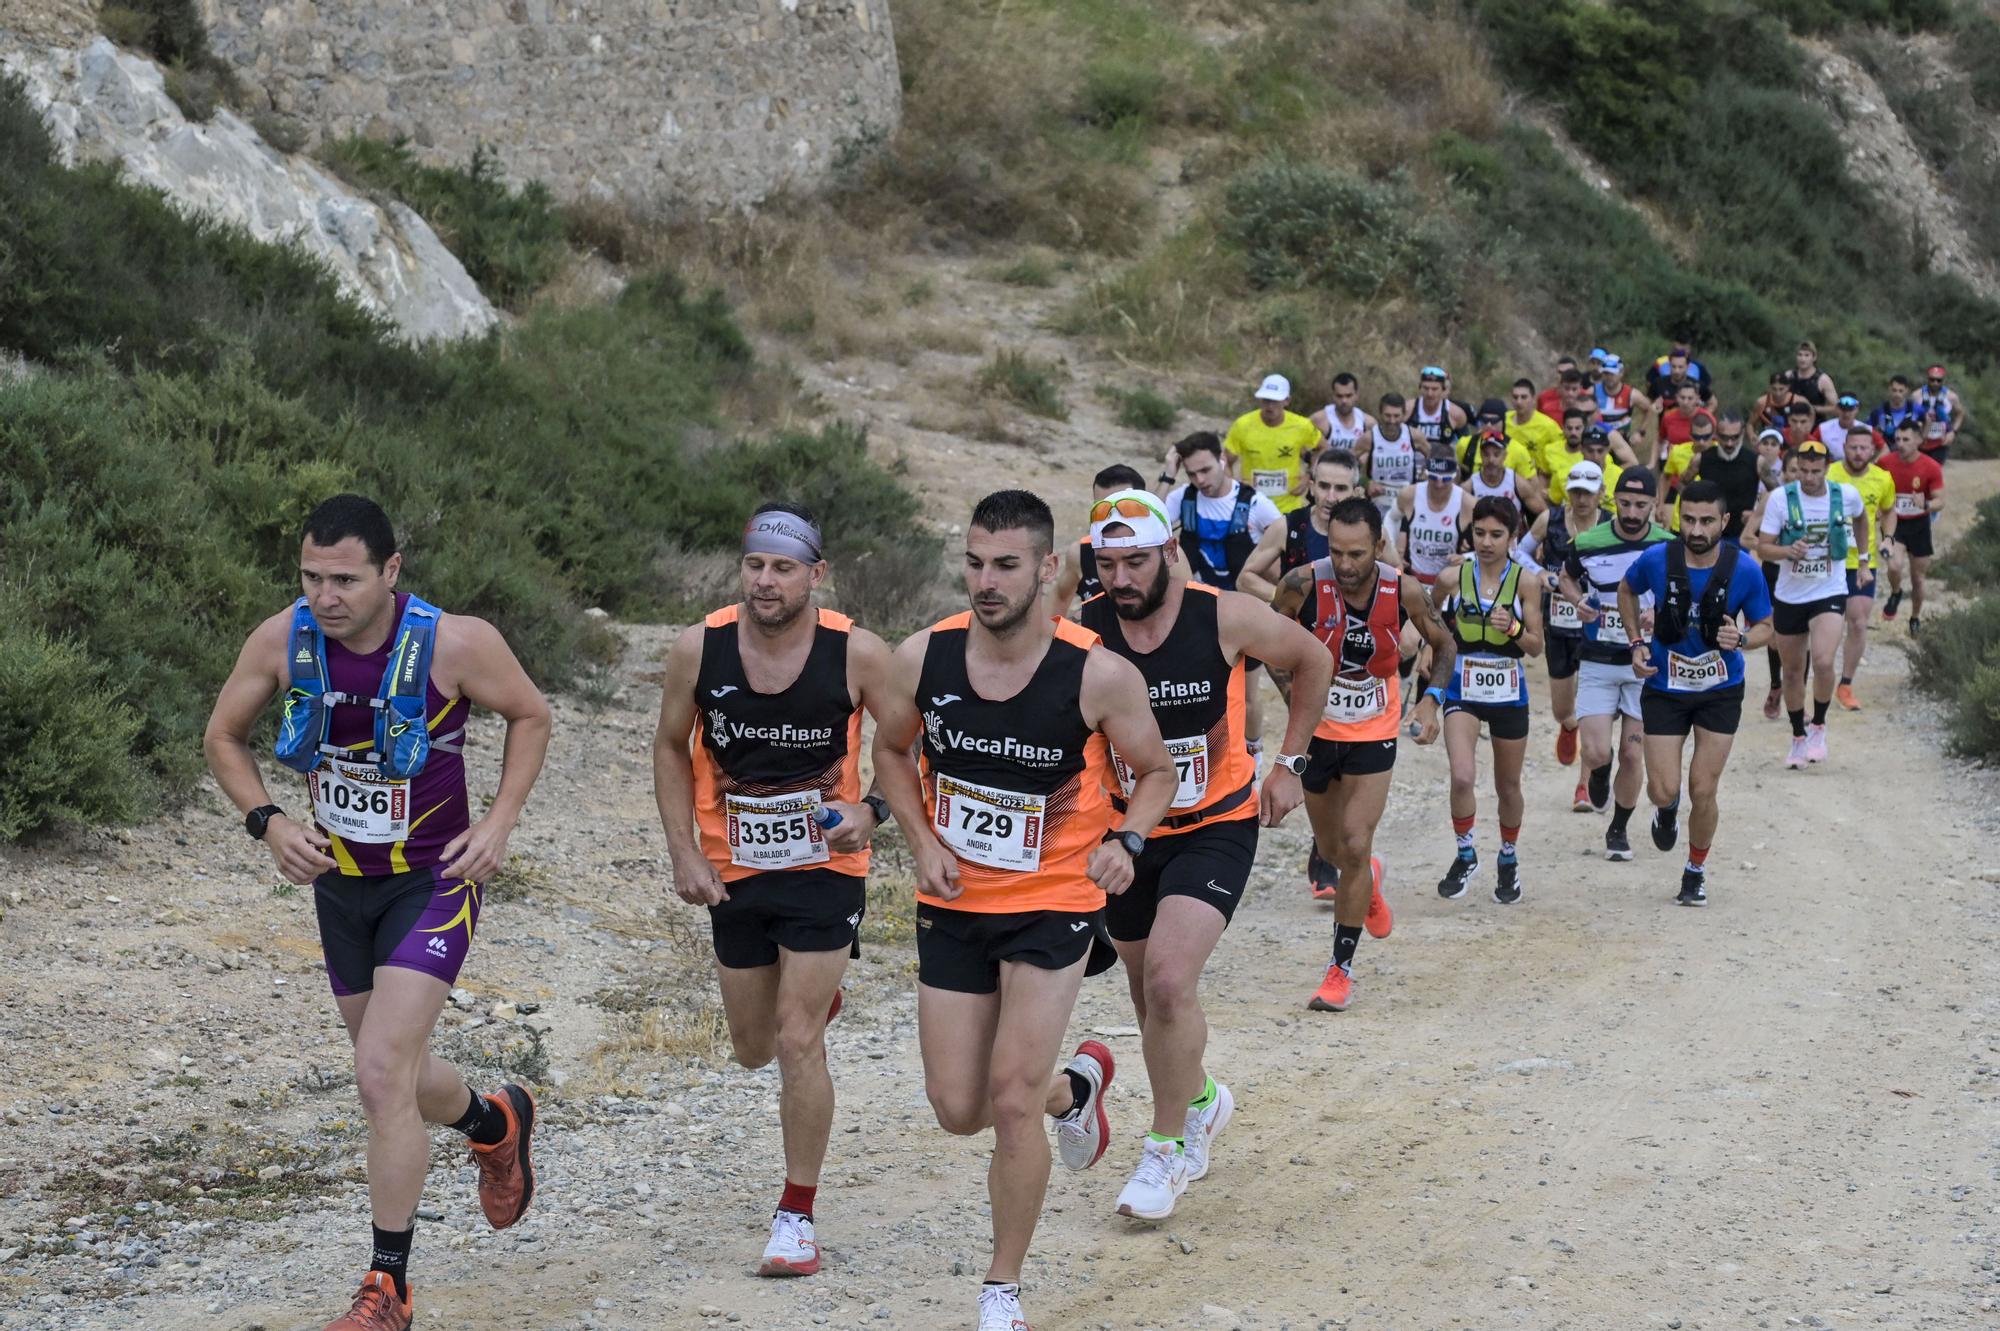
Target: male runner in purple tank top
{"x":396,"y":868}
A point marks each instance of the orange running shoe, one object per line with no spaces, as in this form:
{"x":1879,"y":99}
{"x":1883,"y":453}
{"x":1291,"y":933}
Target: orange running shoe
{"x":1334,"y":992}
{"x":1323,"y":877}
{"x":1844,"y":695}
{"x":1580,"y":802}
{"x":1565,"y":745}
{"x":507,"y":1167}
{"x":376,"y":1307}
{"x":1379,"y":921}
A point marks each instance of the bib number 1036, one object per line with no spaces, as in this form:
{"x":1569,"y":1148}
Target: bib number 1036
{"x":353,"y":801}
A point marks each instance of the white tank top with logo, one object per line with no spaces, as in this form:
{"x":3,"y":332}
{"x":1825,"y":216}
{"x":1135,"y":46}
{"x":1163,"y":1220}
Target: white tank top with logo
{"x":1344,"y":436}
{"x":1393,"y":462}
{"x":1431,"y":427}
{"x":1505,"y":490}
{"x":1433,"y":532}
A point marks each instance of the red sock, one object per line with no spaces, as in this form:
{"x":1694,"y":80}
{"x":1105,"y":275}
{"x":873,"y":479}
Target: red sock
{"x":1697,"y":855}
{"x":1509,"y":834}
{"x":798,"y":1199}
{"x":1463,"y":825}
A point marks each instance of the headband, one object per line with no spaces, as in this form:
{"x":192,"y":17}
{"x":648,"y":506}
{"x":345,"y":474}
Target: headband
{"x":780,"y":532}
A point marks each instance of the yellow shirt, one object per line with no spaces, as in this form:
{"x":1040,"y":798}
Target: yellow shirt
{"x":1680,"y":461}
{"x":1878,"y":497}
{"x":1519,"y":460}
{"x":1271,"y":453}
{"x":1559,"y":477}
{"x":1543,"y":439}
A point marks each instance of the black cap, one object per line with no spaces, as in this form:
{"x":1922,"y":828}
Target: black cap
{"x":1637,"y":481}
{"x":1594,"y":434}
{"x":1493,"y":407}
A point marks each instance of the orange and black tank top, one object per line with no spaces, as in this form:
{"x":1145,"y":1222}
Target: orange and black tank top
{"x":764,"y":763}
{"x":1015,"y":786}
{"x":1197,"y":696}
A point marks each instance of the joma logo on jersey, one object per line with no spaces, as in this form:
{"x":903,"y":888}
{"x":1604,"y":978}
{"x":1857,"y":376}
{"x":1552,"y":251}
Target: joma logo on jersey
{"x":1173,"y":690}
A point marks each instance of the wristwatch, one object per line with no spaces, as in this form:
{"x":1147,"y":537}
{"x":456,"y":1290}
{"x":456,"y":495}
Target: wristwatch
{"x":1295,"y":763}
{"x":258,"y":820}
{"x":1134,"y":843}
{"x":880,"y":806}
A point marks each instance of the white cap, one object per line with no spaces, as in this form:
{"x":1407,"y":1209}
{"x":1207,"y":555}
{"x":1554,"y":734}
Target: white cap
{"x":1139,"y":510}
{"x":1275,"y":388}
{"x":1614,"y":364}
{"x":1585,"y":475}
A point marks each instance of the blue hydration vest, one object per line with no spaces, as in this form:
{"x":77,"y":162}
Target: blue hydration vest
{"x":1207,"y":539}
{"x":402,"y":731}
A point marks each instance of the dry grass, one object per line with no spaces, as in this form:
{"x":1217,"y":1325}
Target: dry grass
{"x":680,"y":1033}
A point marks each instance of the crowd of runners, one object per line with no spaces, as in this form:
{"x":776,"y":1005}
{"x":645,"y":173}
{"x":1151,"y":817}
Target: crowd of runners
{"x":1076,"y":761}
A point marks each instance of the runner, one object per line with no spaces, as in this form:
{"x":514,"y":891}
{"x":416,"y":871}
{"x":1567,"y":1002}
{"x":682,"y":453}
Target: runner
{"x":1342,"y":423}
{"x":1495,"y":478}
{"x":1492,"y":417}
{"x":1693,"y":668}
{"x":1666,"y":374}
{"x":1540,"y":435}
{"x":1846,"y":420}
{"x":377,"y":685}
{"x":1597,"y":452}
{"x":1896,"y":408}
{"x":1079,"y":571}
{"x":1391,"y":459}
{"x":1811,"y":383}
{"x":1735,"y":468}
{"x":1877,"y":488}
{"x":1493,"y":606}
{"x":1621,"y":409}
{"x":1678,"y":422}
{"x":1268,"y":445}
{"x":1435,"y":417}
{"x":1775,"y":466}
{"x":1919,"y":498}
{"x":1357,"y":606}
{"x":1549,"y":541}
{"x":1772,"y":409}
{"x":1434,"y":518}
{"x":1188,"y":643}
{"x":1944,"y":415}
{"x":1301,"y":537}
{"x":1606,"y":686}
{"x":1683,"y":458}
{"x":1810,"y":548}
{"x":1010,"y":829}
{"x":756,"y":767}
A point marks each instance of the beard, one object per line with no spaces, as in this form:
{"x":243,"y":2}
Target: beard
{"x":776,"y":614}
{"x":1149,"y":600}
{"x":1697,"y":545}
{"x":1004,"y":616}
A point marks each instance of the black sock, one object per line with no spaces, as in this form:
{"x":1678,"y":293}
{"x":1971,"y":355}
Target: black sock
{"x":1798,"y":716}
{"x":1847,"y":679}
{"x":392,"y":1257}
{"x":1346,"y":937}
{"x":482,"y":1121}
{"x":1621,"y":814}
{"x":1079,"y":1089}
{"x":1777,"y":668}
{"x":1819,"y":712}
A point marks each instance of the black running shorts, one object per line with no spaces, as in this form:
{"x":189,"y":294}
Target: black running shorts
{"x":1788,"y":618}
{"x":1563,"y":654}
{"x":800,"y":910}
{"x":1328,"y":760}
{"x":1501,"y":722}
{"x":1209,"y":862}
{"x":1914,"y":535}
{"x":961,"y":950}
{"x":1669,"y":712}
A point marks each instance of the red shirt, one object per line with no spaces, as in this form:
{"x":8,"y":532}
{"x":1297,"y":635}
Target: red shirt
{"x":1550,"y":403}
{"x":1922,"y":478}
{"x":1677,"y":428}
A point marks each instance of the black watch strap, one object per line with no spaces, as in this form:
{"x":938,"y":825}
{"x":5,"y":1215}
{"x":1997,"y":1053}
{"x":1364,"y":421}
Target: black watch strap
{"x":258,"y":820}
{"x":880,"y":806}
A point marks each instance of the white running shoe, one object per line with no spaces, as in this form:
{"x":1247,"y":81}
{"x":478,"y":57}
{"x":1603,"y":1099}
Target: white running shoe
{"x":1000,"y":1308}
{"x":792,"y":1250}
{"x":1081,"y":1134}
{"x":1158,"y":1182}
{"x":1796,"y":759}
{"x":1203,"y":1127}
{"x":1815,"y":743}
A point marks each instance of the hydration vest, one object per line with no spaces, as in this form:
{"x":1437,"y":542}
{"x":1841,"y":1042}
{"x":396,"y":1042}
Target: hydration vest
{"x":1473,"y":625}
{"x":402,"y":743}
{"x":1677,"y":611}
{"x":1836,"y":520}
{"x":1236,"y":543}
{"x":1384,"y":616}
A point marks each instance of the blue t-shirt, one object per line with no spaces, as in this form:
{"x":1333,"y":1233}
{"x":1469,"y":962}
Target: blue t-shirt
{"x":1689,"y":666}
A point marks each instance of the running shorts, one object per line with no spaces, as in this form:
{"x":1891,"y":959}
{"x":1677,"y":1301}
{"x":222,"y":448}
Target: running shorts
{"x":418,"y":920}
{"x":1502,"y":722}
{"x":1210,"y":863}
{"x":1328,"y":760}
{"x":1563,"y":656}
{"x":1914,"y":535}
{"x":799,"y":910}
{"x":1718,"y":711}
{"x":961,"y":950}
{"x":1854,"y":587}
{"x":1789,"y":618}
{"x":1606,"y":690}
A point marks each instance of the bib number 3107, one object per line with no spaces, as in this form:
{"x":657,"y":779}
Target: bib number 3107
{"x":1190,"y":757}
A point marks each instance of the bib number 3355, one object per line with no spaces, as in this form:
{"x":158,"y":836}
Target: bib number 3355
{"x":775,"y":831}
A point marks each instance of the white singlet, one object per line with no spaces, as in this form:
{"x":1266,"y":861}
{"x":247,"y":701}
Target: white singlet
{"x":1433,"y":532}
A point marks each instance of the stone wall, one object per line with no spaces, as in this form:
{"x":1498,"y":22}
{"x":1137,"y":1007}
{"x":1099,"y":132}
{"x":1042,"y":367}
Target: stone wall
{"x":663,"y":102}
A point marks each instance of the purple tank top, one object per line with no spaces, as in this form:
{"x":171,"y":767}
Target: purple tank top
{"x":380,"y":827}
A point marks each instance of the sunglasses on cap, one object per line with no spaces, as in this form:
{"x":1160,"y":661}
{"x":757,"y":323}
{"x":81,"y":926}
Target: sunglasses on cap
{"x":1124,"y":508}
{"x":1431,"y":372}
{"x":1850,"y":402}
{"x":1811,"y":448}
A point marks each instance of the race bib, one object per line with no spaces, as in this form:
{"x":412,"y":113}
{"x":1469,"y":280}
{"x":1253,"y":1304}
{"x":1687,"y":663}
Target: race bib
{"x":1489,"y":679}
{"x":775,"y":831}
{"x":1817,"y":564}
{"x":1696,"y":674}
{"x":1562,"y":614}
{"x":1611,"y":628}
{"x":1356,"y":699}
{"x":1271,"y":484}
{"x":1190,"y":770}
{"x":1001,"y":829}
{"x":1910,"y":505}
{"x":355,"y":802}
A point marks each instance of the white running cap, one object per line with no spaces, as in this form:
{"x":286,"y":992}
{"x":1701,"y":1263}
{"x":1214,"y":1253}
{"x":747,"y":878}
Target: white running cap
{"x":1275,"y":388}
{"x":1585,"y":475}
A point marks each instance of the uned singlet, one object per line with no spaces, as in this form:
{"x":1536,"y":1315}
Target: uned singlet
{"x":1339,"y":435}
{"x":377,"y":826}
{"x":1393,"y":462}
{"x":1433,"y":533}
{"x":1197,"y":696}
{"x":1435,"y":428}
{"x":764,"y":763}
{"x":1015,"y":787}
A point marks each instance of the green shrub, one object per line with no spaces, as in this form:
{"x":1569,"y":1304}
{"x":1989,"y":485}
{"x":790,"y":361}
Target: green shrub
{"x":1976,"y":48}
{"x":170,"y":31}
{"x":1973,"y":562}
{"x":1957,"y":659}
{"x":1030,"y":270}
{"x":509,"y":240}
{"x":1034,"y":385}
{"x":196,"y":89}
{"x":1143,"y":408}
{"x":65,"y":738}
{"x":1116,"y":91}
{"x":1301,"y":224}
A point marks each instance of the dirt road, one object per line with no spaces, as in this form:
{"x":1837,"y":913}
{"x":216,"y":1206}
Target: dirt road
{"x":1593,"y":1109}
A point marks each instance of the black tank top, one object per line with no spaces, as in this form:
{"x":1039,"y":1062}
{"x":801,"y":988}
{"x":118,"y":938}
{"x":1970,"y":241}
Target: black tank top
{"x":1187,"y":676}
{"x":772,"y":743}
{"x":1807,"y":387}
{"x":1032,"y":742}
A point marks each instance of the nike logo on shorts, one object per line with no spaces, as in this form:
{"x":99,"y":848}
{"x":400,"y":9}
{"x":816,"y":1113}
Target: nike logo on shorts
{"x":1213,"y":888}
